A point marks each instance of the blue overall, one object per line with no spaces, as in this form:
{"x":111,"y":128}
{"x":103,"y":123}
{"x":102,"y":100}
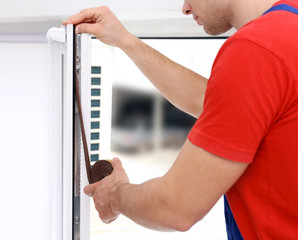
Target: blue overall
{"x":233,"y":232}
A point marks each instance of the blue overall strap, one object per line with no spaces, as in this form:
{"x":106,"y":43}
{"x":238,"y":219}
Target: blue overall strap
{"x":232,"y":229}
{"x":283,"y":7}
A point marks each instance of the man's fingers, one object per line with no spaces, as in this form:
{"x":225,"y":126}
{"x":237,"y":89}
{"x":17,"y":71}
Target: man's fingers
{"x":74,"y":18}
{"x":86,"y":15}
{"x":80,"y":17}
{"x":87,"y":28}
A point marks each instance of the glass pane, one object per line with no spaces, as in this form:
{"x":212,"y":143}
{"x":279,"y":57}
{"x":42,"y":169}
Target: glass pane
{"x":95,"y":81}
{"x":95,"y":92}
{"x":96,"y":70}
{"x":95,"y":103}
{"x":94,"y":125}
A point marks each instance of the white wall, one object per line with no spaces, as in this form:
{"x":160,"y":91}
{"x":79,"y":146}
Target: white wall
{"x":24,"y":141}
{"x":36,"y":8}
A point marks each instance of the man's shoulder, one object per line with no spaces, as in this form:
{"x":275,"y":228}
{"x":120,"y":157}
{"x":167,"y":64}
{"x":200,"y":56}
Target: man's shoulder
{"x":276,"y":34}
{"x":271,"y":30}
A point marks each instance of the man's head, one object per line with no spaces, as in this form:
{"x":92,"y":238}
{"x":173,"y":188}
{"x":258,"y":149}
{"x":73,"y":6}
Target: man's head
{"x":214,"y":15}
{"x":218,"y":16}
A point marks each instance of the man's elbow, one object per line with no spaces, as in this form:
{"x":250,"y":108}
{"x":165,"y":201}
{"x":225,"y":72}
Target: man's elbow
{"x":182,"y":227}
{"x":183,"y":223}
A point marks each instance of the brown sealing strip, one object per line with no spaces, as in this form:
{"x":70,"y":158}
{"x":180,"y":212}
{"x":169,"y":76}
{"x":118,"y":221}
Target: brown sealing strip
{"x":100,"y":170}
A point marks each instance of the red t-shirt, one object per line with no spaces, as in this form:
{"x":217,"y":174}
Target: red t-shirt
{"x":251,"y":115}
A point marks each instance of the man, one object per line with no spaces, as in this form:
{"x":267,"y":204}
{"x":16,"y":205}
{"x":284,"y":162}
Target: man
{"x":245,"y":141}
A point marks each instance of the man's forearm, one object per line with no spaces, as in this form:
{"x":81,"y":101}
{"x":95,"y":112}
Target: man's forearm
{"x":148,"y":204}
{"x":183,"y":196}
{"x":181,"y":86}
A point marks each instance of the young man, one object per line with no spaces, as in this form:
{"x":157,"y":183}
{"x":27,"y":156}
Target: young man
{"x":244,"y":143}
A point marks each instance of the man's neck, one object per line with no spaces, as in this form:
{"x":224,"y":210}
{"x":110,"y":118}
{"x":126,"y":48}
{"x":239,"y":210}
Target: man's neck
{"x":244,"y":11}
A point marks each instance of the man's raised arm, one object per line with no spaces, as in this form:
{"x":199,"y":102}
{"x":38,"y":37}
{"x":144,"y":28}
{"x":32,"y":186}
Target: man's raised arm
{"x":181,"y":86}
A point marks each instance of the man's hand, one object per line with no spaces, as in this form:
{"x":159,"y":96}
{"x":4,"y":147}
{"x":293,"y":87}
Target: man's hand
{"x":101,"y":23}
{"x":103,"y":192}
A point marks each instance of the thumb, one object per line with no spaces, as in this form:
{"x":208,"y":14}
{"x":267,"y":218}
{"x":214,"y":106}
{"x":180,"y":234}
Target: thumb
{"x":89,"y":189}
{"x":116,"y":162}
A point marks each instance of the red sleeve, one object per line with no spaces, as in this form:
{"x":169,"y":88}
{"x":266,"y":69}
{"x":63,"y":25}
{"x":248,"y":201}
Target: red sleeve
{"x":241,"y":101}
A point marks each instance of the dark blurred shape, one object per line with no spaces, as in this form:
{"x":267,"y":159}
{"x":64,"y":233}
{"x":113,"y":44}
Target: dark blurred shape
{"x":176,"y":125}
{"x":133,"y":121}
